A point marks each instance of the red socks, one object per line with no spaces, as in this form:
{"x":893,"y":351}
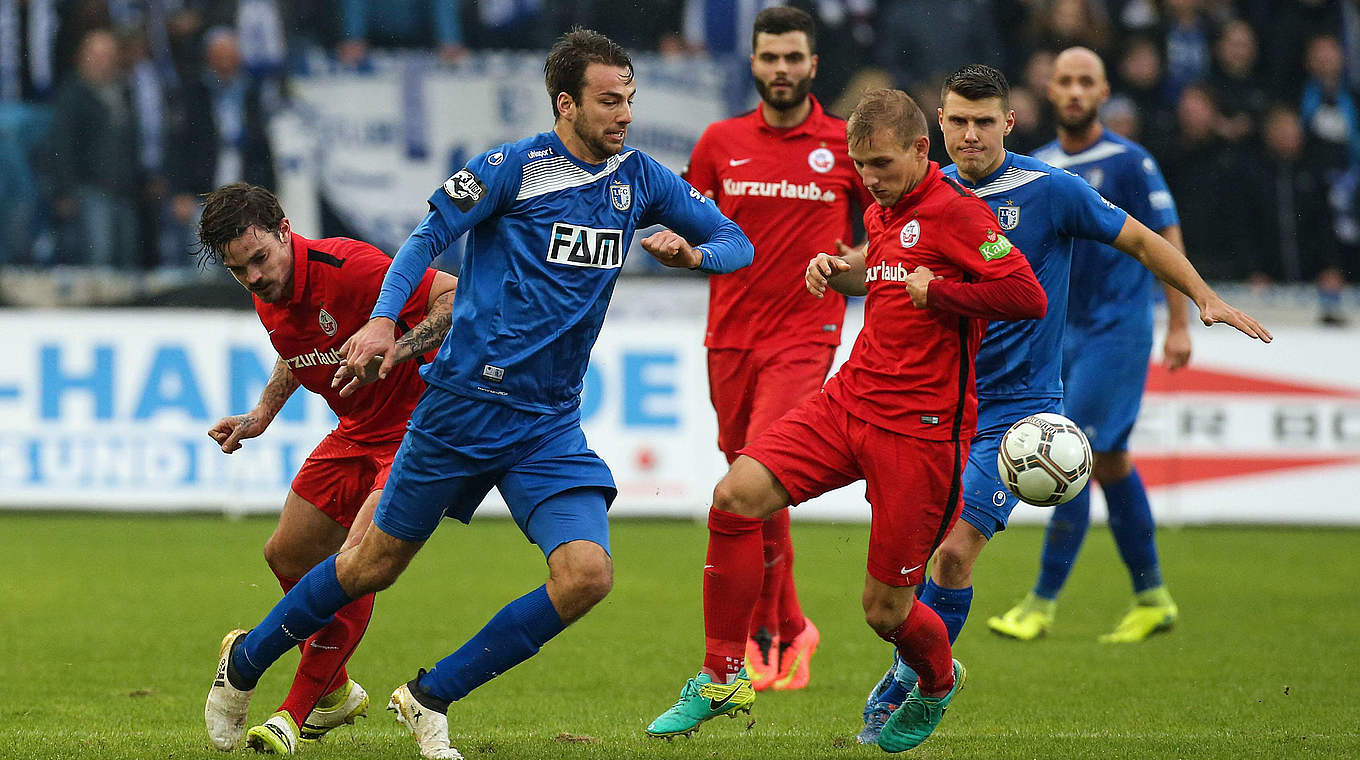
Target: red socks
{"x":923,"y":642}
{"x":778,"y":611}
{"x":322,"y":667}
{"x":732,"y":576}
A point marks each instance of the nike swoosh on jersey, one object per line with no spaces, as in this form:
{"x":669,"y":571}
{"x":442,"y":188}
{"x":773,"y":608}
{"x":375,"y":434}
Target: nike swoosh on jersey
{"x":738,"y":161}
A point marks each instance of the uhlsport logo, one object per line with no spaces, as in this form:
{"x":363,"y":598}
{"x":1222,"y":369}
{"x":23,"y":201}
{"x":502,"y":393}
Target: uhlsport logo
{"x":621,"y":196}
{"x":911,"y":233}
{"x":1008,"y":216}
{"x":821,"y":160}
{"x":327,"y":322}
{"x":585,"y":246}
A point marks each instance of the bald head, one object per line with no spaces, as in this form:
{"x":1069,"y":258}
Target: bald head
{"x":1078,"y":88}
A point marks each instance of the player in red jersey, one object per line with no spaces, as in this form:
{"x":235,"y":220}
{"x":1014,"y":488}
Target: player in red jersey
{"x":310,"y":295}
{"x":780,"y":172}
{"x":899,"y":415}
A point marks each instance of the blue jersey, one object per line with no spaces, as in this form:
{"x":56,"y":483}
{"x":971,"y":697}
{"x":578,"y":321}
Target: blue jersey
{"x":1111,"y":291}
{"x":547,"y":237}
{"x":1042,"y":210}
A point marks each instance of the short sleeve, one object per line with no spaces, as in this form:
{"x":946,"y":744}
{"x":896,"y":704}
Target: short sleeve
{"x":1082,"y":212}
{"x":701,"y":172}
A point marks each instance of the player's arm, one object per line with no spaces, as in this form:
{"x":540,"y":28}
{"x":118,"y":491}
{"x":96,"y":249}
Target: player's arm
{"x":1002,"y":286}
{"x":427,"y":335}
{"x":844,"y":271}
{"x":1171,"y":267}
{"x":1176,"y":348}
{"x":466,"y":199}
{"x":230,"y":431}
{"x":722,"y":246}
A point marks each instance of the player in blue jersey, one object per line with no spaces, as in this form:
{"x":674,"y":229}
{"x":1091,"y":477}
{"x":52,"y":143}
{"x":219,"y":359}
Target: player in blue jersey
{"x":1043,"y":211}
{"x":549,"y":220}
{"x":1105,"y":357}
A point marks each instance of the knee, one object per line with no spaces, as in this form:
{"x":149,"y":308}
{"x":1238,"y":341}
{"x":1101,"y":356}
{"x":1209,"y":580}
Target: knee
{"x":283,"y":558}
{"x":588,"y":586}
{"x":361,"y":574}
{"x":729,"y":497}
{"x":954,"y":564}
{"x":1111,"y":467}
{"x":884,"y":618}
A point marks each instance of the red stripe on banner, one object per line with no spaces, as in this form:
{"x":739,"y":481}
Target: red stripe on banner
{"x":1179,"y":469}
{"x":1200,"y":380}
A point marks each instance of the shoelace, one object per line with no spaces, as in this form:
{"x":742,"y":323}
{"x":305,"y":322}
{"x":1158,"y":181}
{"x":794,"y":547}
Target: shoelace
{"x":691,"y":690}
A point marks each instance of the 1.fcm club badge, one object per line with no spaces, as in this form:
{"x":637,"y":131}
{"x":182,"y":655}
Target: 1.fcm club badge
{"x":1008,"y":216}
{"x":621,"y":195}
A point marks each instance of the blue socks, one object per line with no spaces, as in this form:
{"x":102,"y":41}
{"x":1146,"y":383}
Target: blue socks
{"x":952,"y":605}
{"x":512,"y":636}
{"x":304,"y":610}
{"x":1130,"y":523}
{"x":1133,"y":529}
{"x":1066,"y":531}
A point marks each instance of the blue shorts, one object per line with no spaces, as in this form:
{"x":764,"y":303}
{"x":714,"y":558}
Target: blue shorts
{"x":987,"y":503}
{"x":1103,"y":381}
{"x":457,"y":449}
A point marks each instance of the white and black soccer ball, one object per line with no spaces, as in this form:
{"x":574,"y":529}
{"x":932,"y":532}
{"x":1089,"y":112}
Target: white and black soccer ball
{"x":1044,"y":459}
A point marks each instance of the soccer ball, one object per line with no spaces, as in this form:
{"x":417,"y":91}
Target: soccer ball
{"x":1044,"y":459}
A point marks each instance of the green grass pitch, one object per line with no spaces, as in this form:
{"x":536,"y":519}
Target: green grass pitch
{"x":109,"y":627}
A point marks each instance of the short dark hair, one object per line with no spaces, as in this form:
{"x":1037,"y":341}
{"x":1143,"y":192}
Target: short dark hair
{"x":881,"y":108}
{"x":978,"y":81}
{"x":228,"y":212}
{"x":572,"y":54}
{"x":782,"y":19}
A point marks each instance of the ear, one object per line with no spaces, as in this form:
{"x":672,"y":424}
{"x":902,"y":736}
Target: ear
{"x":1010,"y":123}
{"x":922,"y":147}
{"x":939,"y":115}
{"x":815,"y":59}
{"x":566,"y":106}
{"x":285,"y":230}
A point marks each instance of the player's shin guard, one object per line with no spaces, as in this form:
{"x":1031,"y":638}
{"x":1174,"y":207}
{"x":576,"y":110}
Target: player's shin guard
{"x":774,"y":535}
{"x":923,"y":643}
{"x":732,"y":577}
{"x":1134,"y":531}
{"x":304,"y":610}
{"x":1067,"y":528}
{"x":512,"y":636}
{"x":951,"y":604}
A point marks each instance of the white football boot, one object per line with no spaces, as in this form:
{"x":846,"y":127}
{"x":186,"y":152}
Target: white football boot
{"x":225,"y":712}
{"x":430,"y":728}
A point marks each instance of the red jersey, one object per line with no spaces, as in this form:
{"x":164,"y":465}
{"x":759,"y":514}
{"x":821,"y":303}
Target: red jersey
{"x":335,"y":284}
{"x":911,"y":370}
{"x":790,"y":190}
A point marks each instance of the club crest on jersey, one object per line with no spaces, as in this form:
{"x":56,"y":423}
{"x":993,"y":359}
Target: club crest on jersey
{"x":621,"y":196}
{"x":328,"y":325}
{"x":585,"y":246}
{"x":1008,"y":216}
{"x":996,"y":246}
{"x":821,"y":160}
{"x":911,"y":233}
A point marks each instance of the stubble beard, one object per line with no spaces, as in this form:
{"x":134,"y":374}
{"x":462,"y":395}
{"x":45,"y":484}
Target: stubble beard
{"x":801,"y":88}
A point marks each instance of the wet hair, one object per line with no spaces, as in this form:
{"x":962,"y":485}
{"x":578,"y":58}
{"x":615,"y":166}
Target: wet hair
{"x":228,"y":212}
{"x":782,"y":19}
{"x":882,"y":108}
{"x":572,"y":54}
{"x":978,"y":81}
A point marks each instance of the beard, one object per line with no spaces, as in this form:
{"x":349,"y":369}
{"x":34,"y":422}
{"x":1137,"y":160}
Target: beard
{"x":801,"y":88}
{"x":593,"y":138}
{"x":1077,"y":123}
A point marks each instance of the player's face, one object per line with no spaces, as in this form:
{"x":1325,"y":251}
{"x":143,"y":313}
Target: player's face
{"x":1077,"y":90}
{"x":606,"y":109}
{"x":262,"y":262}
{"x":888,"y":168}
{"x":783,"y":66}
{"x":975,"y":133}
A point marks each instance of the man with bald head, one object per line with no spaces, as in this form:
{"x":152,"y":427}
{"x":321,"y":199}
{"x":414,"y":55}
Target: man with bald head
{"x":1105,"y":357}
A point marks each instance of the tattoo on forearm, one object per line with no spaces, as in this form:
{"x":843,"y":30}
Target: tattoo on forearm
{"x":280,"y":387}
{"x":430,"y":332}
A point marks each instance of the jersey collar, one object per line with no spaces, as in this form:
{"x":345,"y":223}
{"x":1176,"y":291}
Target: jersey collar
{"x":805,"y":127}
{"x":913,"y":197}
{"x":589,"y":168}
{"x":990,"y":178}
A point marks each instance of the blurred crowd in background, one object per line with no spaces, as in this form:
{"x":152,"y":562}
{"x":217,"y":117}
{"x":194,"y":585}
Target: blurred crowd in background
{"x":116,"y":114}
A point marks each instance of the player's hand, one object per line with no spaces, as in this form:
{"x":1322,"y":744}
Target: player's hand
{"x":823,"y":267}
{"x":672,"y":250}
{"x":918,"y":284}
{"x":348,"y":380}
{"x":376,"y":339}
{"x":230,"y":431}
{"x":1176,"y":348}
{"x":1215,"y":309}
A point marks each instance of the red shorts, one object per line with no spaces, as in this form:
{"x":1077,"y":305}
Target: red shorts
{"x":340,"y":474}
{"x":913,"y":485}
{"x":751,"y":388}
